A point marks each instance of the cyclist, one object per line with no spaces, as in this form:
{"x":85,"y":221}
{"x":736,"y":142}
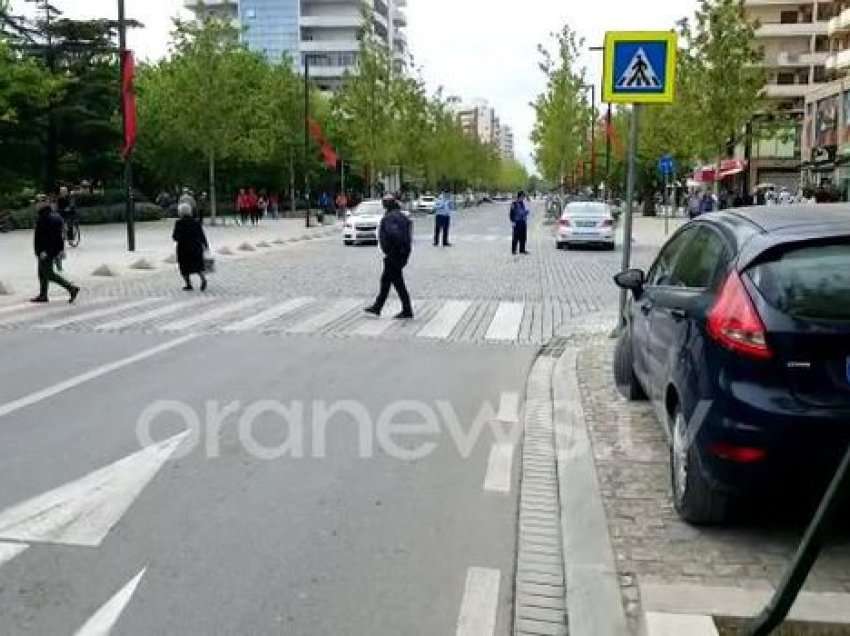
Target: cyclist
{"x":67,"y":208}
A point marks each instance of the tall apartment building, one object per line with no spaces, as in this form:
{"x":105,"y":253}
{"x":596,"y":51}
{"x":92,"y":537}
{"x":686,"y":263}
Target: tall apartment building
{"x":795,"y":38}
{"x":323,"y":32}
{"x":506,"y":143}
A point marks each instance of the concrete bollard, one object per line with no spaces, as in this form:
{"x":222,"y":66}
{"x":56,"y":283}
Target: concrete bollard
{"x":105,"y":270}
{"x":247,"y":247}
{"x":225,"y":251}
{"x":143,"y":264}
{"x":171,"y":260}
{"x":6,"y":289}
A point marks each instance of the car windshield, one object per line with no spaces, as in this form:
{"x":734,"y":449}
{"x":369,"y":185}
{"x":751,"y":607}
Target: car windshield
{"x":370,"y":208}
{"x":808,"y":282}
{"x":587,"y":209}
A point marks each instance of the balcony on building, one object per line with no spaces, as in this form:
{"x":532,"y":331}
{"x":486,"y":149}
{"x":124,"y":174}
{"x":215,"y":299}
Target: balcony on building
{"x":791,"y":29}
{"x":399,"y":19}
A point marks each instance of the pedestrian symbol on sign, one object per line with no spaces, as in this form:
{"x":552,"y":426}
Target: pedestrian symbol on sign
{"x":639,"y":73}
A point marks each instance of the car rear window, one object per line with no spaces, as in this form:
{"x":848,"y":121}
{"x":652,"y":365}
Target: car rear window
{"x":808,"y":282}
{"x":587,"y":210}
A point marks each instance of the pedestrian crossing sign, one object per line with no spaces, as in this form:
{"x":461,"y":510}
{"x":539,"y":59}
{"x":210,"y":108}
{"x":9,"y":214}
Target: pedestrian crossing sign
{"x":640,"y":67}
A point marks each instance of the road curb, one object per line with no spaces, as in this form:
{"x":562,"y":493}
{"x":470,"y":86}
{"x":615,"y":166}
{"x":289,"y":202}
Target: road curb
{"x":594,"y":601}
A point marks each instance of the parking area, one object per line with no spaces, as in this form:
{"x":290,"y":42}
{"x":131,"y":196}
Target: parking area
{"x":656,"y":553}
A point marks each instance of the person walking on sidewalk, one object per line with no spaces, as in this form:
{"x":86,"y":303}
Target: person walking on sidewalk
{"x":191,"y":244}
{"x":519,"y":220}
{"x":49,"y":244}
{"x":396,"y":238}
{"x":444,"y":208}
{"x":253,"y":206}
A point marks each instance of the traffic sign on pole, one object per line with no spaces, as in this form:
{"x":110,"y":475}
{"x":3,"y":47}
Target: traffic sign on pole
{"x":667,"y":165}
{"x":640,"y":67}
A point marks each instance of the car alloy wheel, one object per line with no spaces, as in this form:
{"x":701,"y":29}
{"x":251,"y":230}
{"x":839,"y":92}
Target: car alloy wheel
{"x":680,"y":457}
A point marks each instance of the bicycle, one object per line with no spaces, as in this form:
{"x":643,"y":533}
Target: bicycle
{"x":73,"y":232}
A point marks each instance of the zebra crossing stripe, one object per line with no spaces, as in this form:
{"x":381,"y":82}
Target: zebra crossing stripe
{"x":213,"y":314}
{"x":267,"y":316}
{"x":506,"y":322}
{"x":36,"y":311}
{"x":98,"y":313}
{"x":443,"y":324}
{"x":336,"y":311}
{"x":376,"y":327}
{"x":10,"y":309}
{"x":160,"y":312}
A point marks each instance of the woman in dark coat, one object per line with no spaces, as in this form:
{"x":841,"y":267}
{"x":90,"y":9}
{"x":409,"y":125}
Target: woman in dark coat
{"x":191,"y":243}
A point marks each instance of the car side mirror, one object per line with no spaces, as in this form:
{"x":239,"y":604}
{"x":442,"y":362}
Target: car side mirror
{"x":631,"y":279}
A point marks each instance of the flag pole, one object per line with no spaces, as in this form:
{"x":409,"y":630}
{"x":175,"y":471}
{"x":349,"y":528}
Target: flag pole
{"x":130,"y":212}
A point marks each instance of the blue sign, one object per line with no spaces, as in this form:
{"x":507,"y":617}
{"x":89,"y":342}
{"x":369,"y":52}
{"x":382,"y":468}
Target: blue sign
{"x":640,"y":67}
{"x":667,"y":165}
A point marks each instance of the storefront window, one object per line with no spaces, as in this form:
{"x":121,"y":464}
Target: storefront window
{"x":826,"y":124}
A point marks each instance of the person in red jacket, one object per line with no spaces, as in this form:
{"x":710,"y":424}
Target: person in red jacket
{"x":242,"y":206}
{"x":253,"y":206}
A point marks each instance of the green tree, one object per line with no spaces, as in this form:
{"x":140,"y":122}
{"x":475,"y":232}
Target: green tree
{"x":562,"y":112}
{"x":721,"y":81}
{"x":362,"y":109}
{"x":206,"y":96}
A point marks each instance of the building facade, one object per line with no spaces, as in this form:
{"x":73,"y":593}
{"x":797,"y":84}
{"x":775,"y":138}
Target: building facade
{"x":795,"y":37}
{"x":324,"y":33}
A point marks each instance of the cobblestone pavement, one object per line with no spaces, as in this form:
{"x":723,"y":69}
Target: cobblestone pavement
{"x":651,"y":544}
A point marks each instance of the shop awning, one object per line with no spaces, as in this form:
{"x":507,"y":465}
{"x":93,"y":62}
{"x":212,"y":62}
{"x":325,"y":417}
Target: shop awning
{"x":728,"y":168}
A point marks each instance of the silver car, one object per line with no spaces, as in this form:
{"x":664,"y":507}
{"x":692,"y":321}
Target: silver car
{"x":586,"y":223}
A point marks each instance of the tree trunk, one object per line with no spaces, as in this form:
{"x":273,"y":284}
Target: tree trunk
{"x":213,"y":198}
{"x":717,"y":177}
{"x":292,"y":204}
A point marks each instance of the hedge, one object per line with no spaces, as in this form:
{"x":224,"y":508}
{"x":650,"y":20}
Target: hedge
{"x":25,"y":219}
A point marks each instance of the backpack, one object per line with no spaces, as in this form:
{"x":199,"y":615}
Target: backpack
{"x":514,"y":212}
{"x":394,"y":233}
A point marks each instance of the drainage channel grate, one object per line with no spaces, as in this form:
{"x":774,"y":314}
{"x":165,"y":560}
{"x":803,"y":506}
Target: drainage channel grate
{"x":554,"y":348}
{"x":540,"y":605}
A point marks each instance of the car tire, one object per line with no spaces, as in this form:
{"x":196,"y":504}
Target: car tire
{"x":611,"y":247}
{"x":348,"y":242}
{"x":624,"y":370}
{"x":695,"y":499}
{"x":559,"y":245}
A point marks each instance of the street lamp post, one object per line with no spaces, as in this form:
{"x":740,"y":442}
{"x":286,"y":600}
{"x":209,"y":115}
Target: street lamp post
{"x":128,"y":163}
{"x":307,"y":139}
{"x":608,"y":116}
{"x":592,"y":88}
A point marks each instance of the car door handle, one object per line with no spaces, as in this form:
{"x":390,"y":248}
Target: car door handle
{"x":679,"y":314}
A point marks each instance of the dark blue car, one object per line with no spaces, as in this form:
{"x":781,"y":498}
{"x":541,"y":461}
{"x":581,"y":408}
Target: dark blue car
{"x":740,"y":336}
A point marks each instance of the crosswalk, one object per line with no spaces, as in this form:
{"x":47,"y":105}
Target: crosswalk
{"x":449,"y":320}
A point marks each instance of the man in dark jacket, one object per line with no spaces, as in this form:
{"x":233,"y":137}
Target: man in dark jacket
{"x":519,"y":219}
{"x":49,"y":244}
{"x":396,"y":237}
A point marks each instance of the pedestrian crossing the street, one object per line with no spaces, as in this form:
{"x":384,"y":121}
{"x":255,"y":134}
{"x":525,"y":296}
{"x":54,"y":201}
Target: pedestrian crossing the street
{"x":449,"y":320}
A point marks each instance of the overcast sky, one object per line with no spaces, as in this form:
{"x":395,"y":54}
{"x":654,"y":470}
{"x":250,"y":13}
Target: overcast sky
{"x":474,"y":48}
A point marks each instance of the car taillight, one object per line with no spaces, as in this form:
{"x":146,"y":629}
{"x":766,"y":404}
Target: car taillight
{"x":608,"y":223}
{"x":565,"y":223}
{"x":735,"y":323}
{"x":738,"y":454}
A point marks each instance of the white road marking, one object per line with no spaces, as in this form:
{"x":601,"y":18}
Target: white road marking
{"x":377,"y":326}
{"x":498,"y":478}
{"x":36,"y":311}
{"x":212,"y":314}
{"x":267,"y":316}
{"x":9,"y":551}
{"x":443,"y":324}
{"x":508,"y":408}
{"x":336,"y":311}
{"x":150,"y":315}
{"x":98,"y":313}
{"x":82,"y":512}
{"x":102,"y":622}
{"x":506,"y":322}
{"x":480,"y":603}
{"x":88,"y":376}
{"x":10,"y":309}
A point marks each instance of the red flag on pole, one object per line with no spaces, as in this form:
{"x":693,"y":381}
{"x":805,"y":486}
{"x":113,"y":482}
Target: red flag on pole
{"x":329,"y":155}
{"x":128,"y":98}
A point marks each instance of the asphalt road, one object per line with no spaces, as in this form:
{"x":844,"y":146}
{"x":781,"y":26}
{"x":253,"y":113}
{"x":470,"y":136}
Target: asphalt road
{"x":216,"y":538}
{"x":249,"y":524}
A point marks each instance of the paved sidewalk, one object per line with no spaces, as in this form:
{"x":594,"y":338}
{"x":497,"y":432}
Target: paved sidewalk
{"x":104,"y":248}
{"x":666,"y":566}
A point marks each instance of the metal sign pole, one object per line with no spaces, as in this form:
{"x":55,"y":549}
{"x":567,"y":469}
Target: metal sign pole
{"x":630,"y":195}
{"x":667,"y":206}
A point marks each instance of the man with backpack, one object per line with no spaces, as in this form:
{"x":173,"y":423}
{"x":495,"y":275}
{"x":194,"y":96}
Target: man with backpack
{"x":49,"y":245}
{"x":396,"y":238}
{"x":519,"y":219}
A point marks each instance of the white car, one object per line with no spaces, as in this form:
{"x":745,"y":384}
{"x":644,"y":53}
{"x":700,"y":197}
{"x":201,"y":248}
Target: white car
{"x":586,"y":223}
{"x":426,"y":204}
{"x":361,"y":224}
